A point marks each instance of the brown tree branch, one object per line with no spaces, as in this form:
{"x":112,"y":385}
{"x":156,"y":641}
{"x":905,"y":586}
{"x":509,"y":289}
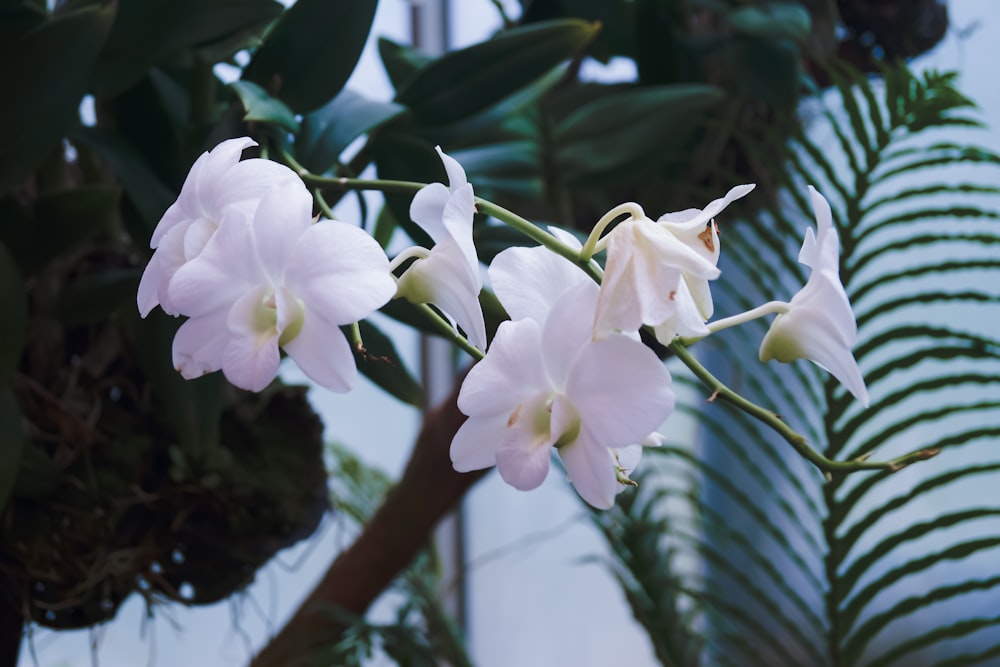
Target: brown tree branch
{"x":402,"y":526}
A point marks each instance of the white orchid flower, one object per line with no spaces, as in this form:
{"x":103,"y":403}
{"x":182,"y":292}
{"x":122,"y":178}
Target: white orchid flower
{"x":449,"y":275}
{"x":642,"y":279}
{"x":549,"y":384}
{"x":819,"y":324}
{"x":696,"y":228}
{"x":277,"y":280}
{"x":217,"y":181}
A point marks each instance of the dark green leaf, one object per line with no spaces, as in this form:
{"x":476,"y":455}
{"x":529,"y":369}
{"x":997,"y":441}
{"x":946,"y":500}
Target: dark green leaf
{"x":772,"y":20}
{"x":309,"y":54}
{"x":14,"y":306}
{"x":94,"y":298}
{"x":46,"y":73}
{"x":11,"y":442}
{"x":765,"y":69}
{"x":380,"y":362}
{"x":262,"y":108}
{"x":61,"y":221}
{"x":404,"y":157}
{"x":401,"y":61}
{"x":327,"y":131}
{"x":625,"y":126}
{"x":462,"y":83}
{"x":191,"y":408}
{"x":147,"y":192}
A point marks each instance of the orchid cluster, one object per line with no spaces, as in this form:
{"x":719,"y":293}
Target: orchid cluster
{"x":240,"y":255}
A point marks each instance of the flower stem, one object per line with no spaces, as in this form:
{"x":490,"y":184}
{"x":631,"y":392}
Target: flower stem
{"x":506,"y":216}
{"x":768,"y":308}
{"x":796,"y":440}
{"x":591,"y":246}
{"x":416,"y":252}
{"x":449,"y":332}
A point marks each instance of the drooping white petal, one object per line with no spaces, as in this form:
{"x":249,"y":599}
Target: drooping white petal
{"x":693,"y":220}
{"x":456,"y":174}
{"x":200,"y":343}
{"x":427,"y":210}
{"x":591,"y":469}
{"x":339,"y":271}
{"x":512,"y":371}
{"x":251,"y":358}
{"x":474,"y":446}
{"x":323,"y":353}
{"x":644,"y":267}
{"x":445,"y":279}
{"x":528,"y":281}
{"x":687,"y":319}
{"x":458,"y":217}
{"x":819,"y":324}
{"x":620,"y":408}
{"x":154,"y":277}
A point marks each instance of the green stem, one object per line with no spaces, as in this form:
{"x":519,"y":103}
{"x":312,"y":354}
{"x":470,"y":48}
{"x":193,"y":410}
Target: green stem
{"x":509,"y":218}
{"x":768,"y":308}
{"x":448,"y":331}
{"x":796,"y":440}
{"x":591,"y":247}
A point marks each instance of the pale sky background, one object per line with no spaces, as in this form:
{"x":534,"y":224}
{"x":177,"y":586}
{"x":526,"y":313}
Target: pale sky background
{"x":536,"y":604}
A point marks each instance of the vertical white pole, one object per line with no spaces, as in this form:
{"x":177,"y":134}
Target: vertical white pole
{"x":430,"y":35}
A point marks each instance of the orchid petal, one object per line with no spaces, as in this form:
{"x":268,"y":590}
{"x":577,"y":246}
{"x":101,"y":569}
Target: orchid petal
{"x":568,"y":329}
{"x":591,"y":469}
{"x":819,"y":324}
{"x":444,"y":279}
{"x":251,"y":358}
{"x":528,"y":281}
{"x":456,"y":174}
{"x":322,"y":352}
{"x":474,"y":446}
{"x":281,"y":219}
{"x":695,"y":220}
{"x":199,"y":345}
{"x":524,"y":451}
{"x":620,"y":408}
{"x":339,"y":271}
{"x":512,"y":369}
{"x":427,"y":209}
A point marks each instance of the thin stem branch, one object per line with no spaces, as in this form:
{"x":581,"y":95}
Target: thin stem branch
{"x":768,"y":308}
{"x":449,"y":332}
{"x":796,"y":440}
{"x":590,"y":248}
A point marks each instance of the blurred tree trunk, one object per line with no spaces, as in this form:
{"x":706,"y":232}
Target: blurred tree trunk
{"x":428,"y":489}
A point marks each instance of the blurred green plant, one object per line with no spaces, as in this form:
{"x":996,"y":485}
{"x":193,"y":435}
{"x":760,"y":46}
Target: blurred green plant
{"x":93,"y":418}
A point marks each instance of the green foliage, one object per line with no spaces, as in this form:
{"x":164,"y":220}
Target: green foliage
{"x":867,"y":569}
{"x":422,"y":632}
{"x":309,"y":54}
{"x":47,"y":70}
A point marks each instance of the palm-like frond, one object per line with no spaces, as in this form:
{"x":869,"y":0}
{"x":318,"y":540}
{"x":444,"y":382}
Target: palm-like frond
{"x":872,"y":569}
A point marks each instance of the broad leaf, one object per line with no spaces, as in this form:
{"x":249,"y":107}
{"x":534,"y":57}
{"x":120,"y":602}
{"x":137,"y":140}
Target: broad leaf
{"x":327,"y":131}
{"x":381,"y":363}
{"x":262,"y":108}
{"x":309,"y":54}
{"x":464,"y":82}
{"x":626,"y":126}
{"x":48,"y":70}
